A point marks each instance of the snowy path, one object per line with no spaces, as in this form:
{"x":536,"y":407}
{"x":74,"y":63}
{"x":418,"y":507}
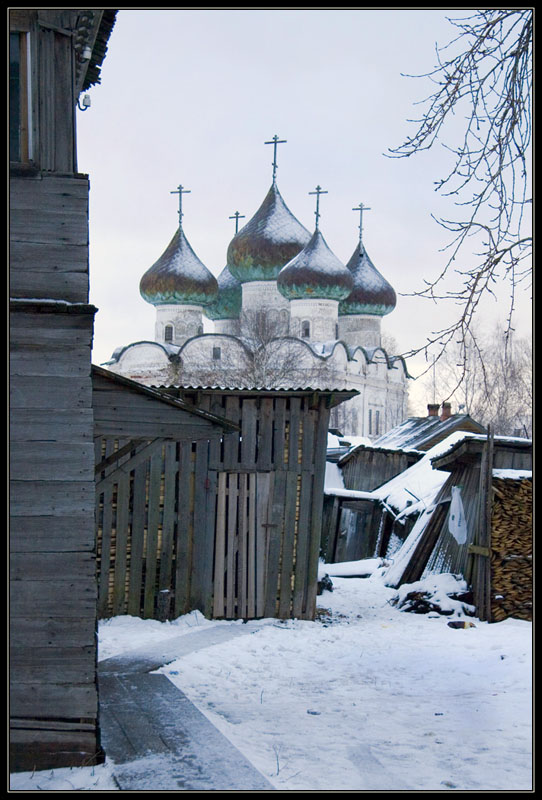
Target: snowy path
{"x":367,"y":698}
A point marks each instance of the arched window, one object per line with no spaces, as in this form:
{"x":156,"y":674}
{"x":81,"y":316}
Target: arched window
{"x":168,"y":333}
{"x":305,"y":329}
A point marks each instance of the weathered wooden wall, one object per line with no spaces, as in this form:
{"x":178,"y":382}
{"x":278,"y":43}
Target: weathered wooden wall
{"x":49,"y":237}
{"x":51,"y":81}
{"x":354,"y":530}
{"x":53,"y":694}
{"x":230,"y":527}
{"x":367,"y":468}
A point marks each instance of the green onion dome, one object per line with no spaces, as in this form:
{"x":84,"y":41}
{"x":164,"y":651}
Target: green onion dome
{"x":267,"y":242}
{"x":315,"y":273}
{"x":178,"y":277}
{"x":228,"y":303}
{"x":372,"y":294}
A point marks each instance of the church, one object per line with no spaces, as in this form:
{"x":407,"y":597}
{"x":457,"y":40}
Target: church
{"x":285,"y":313}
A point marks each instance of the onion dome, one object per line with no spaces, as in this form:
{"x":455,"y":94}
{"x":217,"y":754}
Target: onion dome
{"x":315,"y":273}
{"x":178,"y":277}
{"x":228,"y":303}
{"x":267,"y":242}
{"x":372,"y":294}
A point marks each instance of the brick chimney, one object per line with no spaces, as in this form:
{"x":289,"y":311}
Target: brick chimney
{"x":446,"y":412}
{"x":432,"y":409}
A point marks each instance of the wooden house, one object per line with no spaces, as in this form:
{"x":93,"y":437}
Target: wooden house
{"x":356,"y":528}
{"x":493,"y":480}
{"x":423,"y":433}
{"x":54,"y":55}
{"x":231,"y":527}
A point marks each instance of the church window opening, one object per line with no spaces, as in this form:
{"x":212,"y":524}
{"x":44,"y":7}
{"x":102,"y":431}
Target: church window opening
{"x":168,"y":333}
{"x":370,"y":422}
{"x":377,"y":422}
{"x":217,"y":353}
{"x":305,"y":329}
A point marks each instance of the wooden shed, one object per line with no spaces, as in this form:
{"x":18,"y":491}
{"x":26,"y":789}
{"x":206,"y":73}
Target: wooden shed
{"x":492,"y":478}
{"x":230,"y":527}
{"x":53,"y":693}
{"x":356,"y":528}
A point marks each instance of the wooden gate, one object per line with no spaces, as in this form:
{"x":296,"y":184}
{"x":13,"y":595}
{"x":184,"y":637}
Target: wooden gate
{"x":230,"y":527}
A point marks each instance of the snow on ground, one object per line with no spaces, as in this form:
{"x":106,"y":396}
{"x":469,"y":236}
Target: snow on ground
{"x":366,"y":698}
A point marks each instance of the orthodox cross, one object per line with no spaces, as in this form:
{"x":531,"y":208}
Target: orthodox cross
{"x":318,"y":192}
{"x":361,"y":208}
{"x":180,"y":191}
{"x":275,"y":141}
{"x":237,"y":216}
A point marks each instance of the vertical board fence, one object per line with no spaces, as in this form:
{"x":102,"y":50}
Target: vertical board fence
{"x":229,"y":526}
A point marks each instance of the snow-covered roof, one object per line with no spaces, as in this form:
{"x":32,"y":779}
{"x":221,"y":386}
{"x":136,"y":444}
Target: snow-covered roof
{"x":421,"y":432}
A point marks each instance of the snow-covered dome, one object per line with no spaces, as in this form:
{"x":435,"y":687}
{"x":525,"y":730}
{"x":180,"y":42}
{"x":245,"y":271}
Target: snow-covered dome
{"x":315,"y":273}
{"x":178,"y":277}
{"x":267,"y":242}
{"x":228,"y":302}
{"x":372,"y":294}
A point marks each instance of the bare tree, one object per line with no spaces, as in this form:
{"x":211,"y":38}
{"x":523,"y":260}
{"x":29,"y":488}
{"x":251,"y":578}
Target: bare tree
{"x":490,"y":379}
{"x":484,"y":76}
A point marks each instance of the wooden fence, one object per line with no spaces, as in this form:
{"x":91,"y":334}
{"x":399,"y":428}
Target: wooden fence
{"x":230,"y":527}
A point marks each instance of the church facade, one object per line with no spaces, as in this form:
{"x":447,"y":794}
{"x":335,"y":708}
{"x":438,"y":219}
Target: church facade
{"x":286,"y":314}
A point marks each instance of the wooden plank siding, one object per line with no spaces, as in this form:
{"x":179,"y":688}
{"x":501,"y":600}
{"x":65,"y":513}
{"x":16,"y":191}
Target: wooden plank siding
{"x":228,"y":526}
{"x":53,"y":692}
{"x":49,"y":237}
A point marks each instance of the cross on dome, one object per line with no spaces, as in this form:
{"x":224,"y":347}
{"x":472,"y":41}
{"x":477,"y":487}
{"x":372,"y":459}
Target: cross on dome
{"x":275,"y":141}
{"x":361,"y":208}
{"x":180,"y":190}
{"x":318,"y":192}
{"x":237,"y":216}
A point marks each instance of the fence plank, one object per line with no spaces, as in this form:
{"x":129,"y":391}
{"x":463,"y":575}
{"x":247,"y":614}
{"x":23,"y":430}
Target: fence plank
{"x":242,"y":548}
{"x":293,"y":438}
{"x":104,"y":537}
{"x":153,"y":523}
{"x":251,"y":554}
{"x":302,"y":550}
{"x":275,"y":527}
{"x":121,"y":540}
{"x":265,"y":436}
{"x":183,"y":558}
{"x":220,"y":547}
{"x":168,"y":521}
{"x":139,"y":519}
{"x":288,"y":545}
{"x":233,"y":489}
{"x":263,"y":485}
{"x":248,"y":439}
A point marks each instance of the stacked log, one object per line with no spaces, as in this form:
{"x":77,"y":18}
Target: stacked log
{"x":512,"y":549}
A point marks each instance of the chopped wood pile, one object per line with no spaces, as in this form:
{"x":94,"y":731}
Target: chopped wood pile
{"x":512,"y":549}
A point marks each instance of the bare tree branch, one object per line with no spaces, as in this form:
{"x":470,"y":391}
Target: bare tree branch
{"x":484,"y":75}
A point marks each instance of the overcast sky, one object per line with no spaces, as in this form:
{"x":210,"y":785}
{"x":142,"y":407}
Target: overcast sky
{"x":190,"y":96}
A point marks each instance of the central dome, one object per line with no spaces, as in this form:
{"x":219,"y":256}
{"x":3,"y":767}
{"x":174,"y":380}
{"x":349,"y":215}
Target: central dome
{"x":267,"y":242}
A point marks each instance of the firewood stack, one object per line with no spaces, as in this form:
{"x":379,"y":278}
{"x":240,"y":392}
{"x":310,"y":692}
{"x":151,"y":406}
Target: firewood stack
{"x":512,"y":549}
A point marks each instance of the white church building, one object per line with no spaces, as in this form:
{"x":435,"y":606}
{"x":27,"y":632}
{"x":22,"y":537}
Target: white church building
{"x":286,"y":314}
